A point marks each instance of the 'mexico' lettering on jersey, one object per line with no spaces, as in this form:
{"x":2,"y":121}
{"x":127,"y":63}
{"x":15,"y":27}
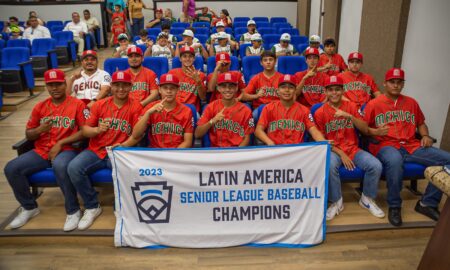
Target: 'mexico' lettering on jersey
{"x":189,"y":88}
{"x":289,"y":124}
{"x":230,"y":125}
{"x":60,"y":121}
{"x":269,"y":91}
{"x":313,"y":89}
{"x":86,"y":85}
{"x":167,"y":128}
{"x":119,"y":124}
{"x":335,"y":125}
{"x":139,"y":86}
{"x":357,"y":85}
{"x":395,"y":116}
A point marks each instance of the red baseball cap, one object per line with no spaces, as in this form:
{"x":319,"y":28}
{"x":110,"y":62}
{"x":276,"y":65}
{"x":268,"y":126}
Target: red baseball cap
{"x":187,"y":49}
{"x":54,"y":75}
{"x":88,"y":53}
{"x":120,"y":76}
{"x":227,"y":77}
{"x":355,"y":55}
{"x":287,"y":78}
{"x":159,"y":10}
{"x":395,"y":73}
{"x":310,"y":51}
{"x":334,"y":80}
{"x":223,"y":57}
{"x":169,"y":79}
{"x":134,"y":49}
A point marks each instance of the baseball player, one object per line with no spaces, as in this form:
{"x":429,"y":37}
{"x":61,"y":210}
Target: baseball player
{"x":53,"y":126}
{"x":311,"y":82}
{"x":223,"y":64}
{"x":124,"y":45}
{"x":256,"y":48}
{"x":90,"y":83}
{"x":110,"y":123}
{"x":314,"y":42}
{"x":285,"y":121}
{"x":247,"y":37}
{"x":358,"y":87}
{"x":229,"y":122}
{"x":162,"y":48}
{"x":190,"y":40}
{"x":220,"y":27}
{"x":284,"y":47}
{"x":145,"y":81}
{"x":192,"y":81}
{"x":331,"y":62}
{"x":403,"y":117}
{"x":223,"y":45}
{"x":337,"y":120}
{"x":170,"y":122}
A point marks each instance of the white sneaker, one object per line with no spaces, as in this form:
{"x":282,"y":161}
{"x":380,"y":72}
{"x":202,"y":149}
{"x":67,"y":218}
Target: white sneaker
{"x":371,"y":205}
{"x":23,"y":217}
{"x":72,"y":221}
{"x":335,"y":209}
{"x":88,"y":217}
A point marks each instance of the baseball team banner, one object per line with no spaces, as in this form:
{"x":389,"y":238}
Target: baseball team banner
{"x":204,"y":198}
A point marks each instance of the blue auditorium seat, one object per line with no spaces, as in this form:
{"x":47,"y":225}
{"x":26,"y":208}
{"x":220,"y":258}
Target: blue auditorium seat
{"x":112,"y":65}
{"x":143,"y":47}
{"x":278,"y":26}
{"x":289,"y":30}
{"x":43,"y":55}
{"x":240,"y":30}
{"x":266,"y":30}
{"x":239,"y":24}
{"x":262,"y":25}
{"x":302,"y":47}
{"x":201,"y":24}
{"x":2,"y":44}
{"x":242,"y":49}
{"x":176,"y":30}
{"x":241,"y":19}
{"x":202,"y":38}
{"x":270,"y":39}
{"x":198,"y":63}
{"x":260,"y":19}
{"x":297,"y":39}
{"x":278,"y":20}
{"x":154,"y":31}
{"x":211,"y":62}
{"x":16,"y":72}
{"x":180,"y":25}
{"x":159,"y":65}
{"x":251,"y":66}
{"x":291,"y":64}
{"x":24,"y":43}
{"x":201,"y":31}
{"x":56,"y":28}
{"x":228,"y":30}
{"x":46,"y":178}
{"x":50,"y":24}
{"x":66,"y":48}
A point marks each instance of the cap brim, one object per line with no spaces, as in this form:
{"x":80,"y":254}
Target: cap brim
{"x":55,"y":80}
{"x":125,"y":81}
{"x":93,"y":55}
{"x":393,"y":78}
{"x":172,"y":83}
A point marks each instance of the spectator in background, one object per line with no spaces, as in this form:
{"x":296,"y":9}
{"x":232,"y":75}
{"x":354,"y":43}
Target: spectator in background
{"x":205,"y":16}
{"x":157,"y":21}
{"x":79,"y":29}
{"x":111,"y":4}
{"x":35,"y":30}
{"x":166,"y":29}
{"x":188,"y":41}
{"x":256,"y":48}
{"x":15,"y":33}
{"x":314,"y":42}
{"x":119,"y":13}
{"x":223,"y":45}
{"x":124,"y":45}
{"x":224,"y":17}
{"x":144,"y":40}
{"x":13,"y":22}
{"x":162,"y":48}
{"x":117,"y":29}
{"x":284,"y":48}
{"x":136,"y":16}
{"x":92,"y":25}
{"x":246,"y":37}
{"x":188,"y":13}
{"x":34,"y":14}
{"x":168,"y":16}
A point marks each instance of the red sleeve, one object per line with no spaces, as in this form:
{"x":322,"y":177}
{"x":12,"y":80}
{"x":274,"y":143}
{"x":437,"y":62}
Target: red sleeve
{"x":263,"y":120}
{"x":207,"y":115}
{"x":92,"y":120}
{"x":251,"y":87}
{"x":188,"y":122}
{"x":373,"y":85}
{"x":82,"y":114}
{"x":420,"y":118}
{"x":241,"y":84}
{"x":249,"y":125}
{"x":355,"y":111}
{"x":35,"y":117}
{"x":153,"y":82}
{"x":368,"y":114}
{"x":320,"y":122}
{"x":308,"y":119}
{"x":137,"y":113}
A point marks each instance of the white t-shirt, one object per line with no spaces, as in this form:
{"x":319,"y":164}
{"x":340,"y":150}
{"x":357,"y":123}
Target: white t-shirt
{"x":38,"y":32}
{"x":278,"y":49}
{"x":219,"y":49}
{"x":88,"y":87}
{"x":159,"y":51}
{"x":76,"y":28}
{"x":246,"y":37}
{"x":254,"y":51}
{"x":91,"y":22}
{"x":124,"y":53}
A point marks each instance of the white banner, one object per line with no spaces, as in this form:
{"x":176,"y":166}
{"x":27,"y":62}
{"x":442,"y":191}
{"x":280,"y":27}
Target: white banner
{"x":204,"y":198}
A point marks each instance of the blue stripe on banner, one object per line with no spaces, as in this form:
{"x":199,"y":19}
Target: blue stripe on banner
{"x":325,"y":203}
{"x":156,"y":247}
{"x":281,"y":245}
{"x":151,"y":191}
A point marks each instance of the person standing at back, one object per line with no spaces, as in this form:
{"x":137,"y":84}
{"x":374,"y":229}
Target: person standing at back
{"x":136,"y":16}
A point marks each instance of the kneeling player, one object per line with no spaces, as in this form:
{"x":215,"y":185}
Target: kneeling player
{"x":228,"y":121}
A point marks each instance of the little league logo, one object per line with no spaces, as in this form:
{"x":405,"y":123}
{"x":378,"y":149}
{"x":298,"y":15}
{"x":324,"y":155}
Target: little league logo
{"x":153,"y":201}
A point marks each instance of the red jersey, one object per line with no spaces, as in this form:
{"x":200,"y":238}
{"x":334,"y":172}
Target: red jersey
{"x":338,"y":64}
{"x":241,"y":85}
{"x":340,"y":130}
{"x":188,"y":92}
{"x":66,"y":119}
{"x":238,"y":123}
{"x":167,"y":128}
{"x":358,"y":88}
{"x":285,"y":126}
{"x":121,"y":15}
{"x":313,"y":90}
{"x":117,"y":29}
{"x":143,"y":82}
{"x":122,"y":121}
{"x":268,"y":86}
{"x":402,"y":116}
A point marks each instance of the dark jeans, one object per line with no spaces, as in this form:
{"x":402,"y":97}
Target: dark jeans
{"x":138,"y":25}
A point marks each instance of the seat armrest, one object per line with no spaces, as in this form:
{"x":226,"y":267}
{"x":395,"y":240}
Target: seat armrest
{"x":24,"y":63}
{"x":23,"y":146}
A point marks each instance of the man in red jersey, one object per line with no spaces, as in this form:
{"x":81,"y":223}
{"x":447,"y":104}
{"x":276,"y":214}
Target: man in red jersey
{"x":285,"y":121}
{"x":337,"y":120}
{"x":358,"y":87}
{"x":331,"y":62}
{"x":229,"y":122}
{"x":53,"y":126}
{"x":111,"y":122}
{"x":403,"y":117}
{"x":223,"y":64}
{"x":170,"y":122}
{"x":310,"y":88}
{"x":145,"y":81}
{"x":192,"y":81}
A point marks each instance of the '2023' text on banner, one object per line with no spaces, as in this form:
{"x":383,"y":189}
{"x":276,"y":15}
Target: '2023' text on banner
{"x":204,"y":198}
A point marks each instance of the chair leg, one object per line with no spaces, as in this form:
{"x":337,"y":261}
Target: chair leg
{"x":359,"y":189}
{"x":413,"y":188}
{"x":36,"y":191}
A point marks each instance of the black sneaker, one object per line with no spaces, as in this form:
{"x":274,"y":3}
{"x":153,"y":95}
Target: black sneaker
{"x":395,"y":216}
{"x":431,"y":212}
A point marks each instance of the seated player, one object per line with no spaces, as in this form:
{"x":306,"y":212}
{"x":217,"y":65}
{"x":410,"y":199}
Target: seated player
{"x":331,"y":62}
{"x":190,"y":40}
{"x":229,"y":122}
{"x":286,"y":121}
{"x":403,"y":117}
{"x":256,"y":48}
{"x":124,"y":45}
{"x":144,"y":40}
{"x":166,"y":29}
{"x":314,"y":42}
{"x":223,"y":45}
{"x":246,"y":37}
{"x":170,"y":123}
{"x":337,"y":120}
{"x":162,"y":48}
{"x":284,"y":48}
{"x":110,"y":123}
{"x":53,"y":126}
{"x":220,"y":27}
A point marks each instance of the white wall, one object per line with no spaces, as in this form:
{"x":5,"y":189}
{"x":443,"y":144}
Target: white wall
{"x":351,"y":12}
{"x":314,"y":18}
{"x":426,"y":60}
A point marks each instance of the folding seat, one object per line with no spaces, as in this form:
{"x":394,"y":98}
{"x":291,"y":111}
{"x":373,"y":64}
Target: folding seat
{"x":302,"y":47}
{"x":260,"y":19}
{"x":241,"y":19}
{"x":201,"y":24}
{"x":50,"y":24}
{"x":239,"y":24}
{"x":176,"y":31}
{"x":154,"y":31}
{"x":240,"y":30}
{"x":143,"y":47}
{"x":262,"y":24}
{"x":290,"y":31}
{"x":266,"y":30}
{"x":201,"y":31}
{"x":5,"y":36}
{"x":211,"y":62}
{"x":2,"y":44}
{"x":88,"y":42}
{"x":228,"y":30}
{"x":43,"y":55}
{"x":296,"y":40}
{"x":159,"y":65}
{"x":66,"y":22}
{"x":112,"y":65}
{"x":180,"y":25}
{"x":65,"y":47}
{"x":198,"y":63}
{"x":270,"y":39}
{"x":251,"y":66}
{"x":56,"y":28}
{"x":291,"y":64}
{"x":16,"y":73}
{"x":242,"y":49}
{"x":278,"y":26}
{"x":24,"y":43}
{"x":278,"y":20}
{"x":202,"y":38}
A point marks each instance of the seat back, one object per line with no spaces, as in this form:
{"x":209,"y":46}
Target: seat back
{"x":262,"y":24}
{"x":290,"y":31}
{"x":63,"y":37}
{"x":154,"y":31}
{"x":297,"y":39}
{"x":291,"y":64}
{"x":281,"y":25}
{"x":201,"y":24}
{"x":302,"y":47}
{"x":201,"y":31}
{"x":198,"y":63}
{"x":278,"y":20}
{"x":260,"y":19}
{"x":176,"y":30}
{"x":266,"y":30}
{"x":180,"y":24}
{"x":211,"y":62}
{"x":56,"y":28}
{"x":41,"y":46}
{"x":240,"y":30}
{"x":239,"y":24}
{"x":251,"y":66}
{"x":242,"y":49}
{"x":241,"y":19}
{"x":271,"y":38}
{"x":112,"y":65}
{"x":2,"y":44}
{"x":49,"y":24}
{"x":202,"y":38}
{"x":11,"y":57}
{"x":24,"y":43}
{"x":143,"y":47}
{"x":159,"y":65}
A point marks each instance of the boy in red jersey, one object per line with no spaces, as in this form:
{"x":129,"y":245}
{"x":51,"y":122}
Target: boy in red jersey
{"x":310,"y":88}
{"x":192,"y":81}
{"x":223,"y":64}
{"x":337,"y":120}
{"x":285,"y":121}
{"x":331,"y":62}
{"x":228,"y":121}
{"x":145,"y":81}
{"x":53,"y":126}
{"x":171,"y":122}
{"x":402,"y":116}
{"x":110,"y":123}
{"x":358,"y":87}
